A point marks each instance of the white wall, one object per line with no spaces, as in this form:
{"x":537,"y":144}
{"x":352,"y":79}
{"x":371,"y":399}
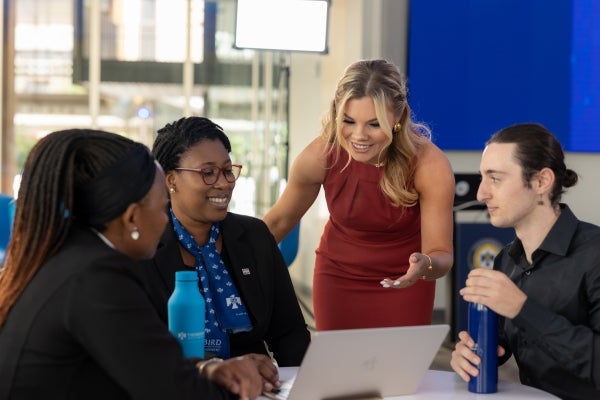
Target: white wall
{"x":356,"y":32}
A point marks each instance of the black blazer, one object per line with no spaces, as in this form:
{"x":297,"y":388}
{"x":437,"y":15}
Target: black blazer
{"x":262,"y":279}
{"x":84,"y":328}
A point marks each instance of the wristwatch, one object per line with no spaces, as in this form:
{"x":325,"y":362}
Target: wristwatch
{"x":202,"y":364}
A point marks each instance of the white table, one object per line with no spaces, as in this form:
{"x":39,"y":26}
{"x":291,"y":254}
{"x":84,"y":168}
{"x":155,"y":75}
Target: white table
{"x":448,"y":385}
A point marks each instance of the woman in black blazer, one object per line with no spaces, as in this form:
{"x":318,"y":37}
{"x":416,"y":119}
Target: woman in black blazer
{"x":75,"y":320}
{"x":200,"y":177}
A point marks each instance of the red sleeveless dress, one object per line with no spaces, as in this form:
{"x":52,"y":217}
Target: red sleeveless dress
{"x":365,"y":240}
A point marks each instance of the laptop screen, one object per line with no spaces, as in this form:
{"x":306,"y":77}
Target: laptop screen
{"x":376,"y":362}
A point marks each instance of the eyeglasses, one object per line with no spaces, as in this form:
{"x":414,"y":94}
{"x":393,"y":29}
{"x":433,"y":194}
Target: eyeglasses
{"x":210,"y":175}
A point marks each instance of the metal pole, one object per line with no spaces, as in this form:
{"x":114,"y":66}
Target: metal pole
{"x":267,"y":134}
{"x":94,"y":66}
{"x":7,"y":96}
{"x":188,"y":66}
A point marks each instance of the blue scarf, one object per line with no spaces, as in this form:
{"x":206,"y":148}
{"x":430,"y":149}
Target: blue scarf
{"x":225,"y":311}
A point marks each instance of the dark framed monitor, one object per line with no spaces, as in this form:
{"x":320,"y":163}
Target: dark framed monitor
{"x":284,"y":25}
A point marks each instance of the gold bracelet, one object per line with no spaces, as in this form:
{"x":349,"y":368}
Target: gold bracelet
{"x":429,"y":267}
{"x":203,"y":364}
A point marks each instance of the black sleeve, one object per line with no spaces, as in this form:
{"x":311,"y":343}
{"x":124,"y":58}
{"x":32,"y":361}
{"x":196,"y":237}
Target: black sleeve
{"x":287,"y":335}
{"x":111,"y":316}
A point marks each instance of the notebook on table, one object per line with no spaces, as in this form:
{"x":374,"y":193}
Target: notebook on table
{"x":364,"y":363}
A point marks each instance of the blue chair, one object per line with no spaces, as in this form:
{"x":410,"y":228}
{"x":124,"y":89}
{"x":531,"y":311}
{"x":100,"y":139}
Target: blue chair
{"x":7,"y":216}
{"x":289,"y":245}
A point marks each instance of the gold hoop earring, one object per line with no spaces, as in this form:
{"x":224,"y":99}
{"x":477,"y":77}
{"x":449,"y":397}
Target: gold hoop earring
{"x":396,"y":127}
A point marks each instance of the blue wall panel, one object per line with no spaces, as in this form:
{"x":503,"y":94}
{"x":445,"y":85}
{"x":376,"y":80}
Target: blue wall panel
{"x":477,"y":66}
{"x":585,"y":100}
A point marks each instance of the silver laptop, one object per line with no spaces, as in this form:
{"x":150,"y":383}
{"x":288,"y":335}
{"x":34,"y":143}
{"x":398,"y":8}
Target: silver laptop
{"x":365,"y":363}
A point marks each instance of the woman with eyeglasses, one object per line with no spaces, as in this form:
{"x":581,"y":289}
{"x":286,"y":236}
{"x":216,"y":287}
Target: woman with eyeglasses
{"x":251,"y":303}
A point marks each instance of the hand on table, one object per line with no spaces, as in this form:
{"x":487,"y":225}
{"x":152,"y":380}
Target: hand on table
{"x":267,"y":370}
{"x":239,"y":375}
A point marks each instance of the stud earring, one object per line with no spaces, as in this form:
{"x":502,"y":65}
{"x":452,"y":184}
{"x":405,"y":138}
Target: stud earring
{"x":171,"y":190}
{"x":135,"y":234}
{"x":396,"y":127}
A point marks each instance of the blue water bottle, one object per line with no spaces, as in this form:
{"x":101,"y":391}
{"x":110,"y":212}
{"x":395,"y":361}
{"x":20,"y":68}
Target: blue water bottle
{"x":483,"y":328}
{"x":186,"y":310}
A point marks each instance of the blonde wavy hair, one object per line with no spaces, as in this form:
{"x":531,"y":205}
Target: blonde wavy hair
{"x":381,"y":81}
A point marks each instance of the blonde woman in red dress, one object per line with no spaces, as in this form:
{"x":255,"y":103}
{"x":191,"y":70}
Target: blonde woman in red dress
{"x":390,"y":193}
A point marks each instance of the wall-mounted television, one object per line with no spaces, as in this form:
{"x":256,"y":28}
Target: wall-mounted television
{"x":284,"y":25}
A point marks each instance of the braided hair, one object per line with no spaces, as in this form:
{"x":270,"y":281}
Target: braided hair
{"x":176,"y":138}
{"x":55,"y":170}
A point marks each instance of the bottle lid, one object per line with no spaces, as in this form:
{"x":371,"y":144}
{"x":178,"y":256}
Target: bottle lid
{"x":186,"y":276}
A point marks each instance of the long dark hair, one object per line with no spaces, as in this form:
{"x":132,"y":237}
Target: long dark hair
{"x":55,"y":171}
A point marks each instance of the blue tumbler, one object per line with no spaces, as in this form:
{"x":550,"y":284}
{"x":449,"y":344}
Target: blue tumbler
{"x":483,"y":328}
{"x":186,"y":311}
